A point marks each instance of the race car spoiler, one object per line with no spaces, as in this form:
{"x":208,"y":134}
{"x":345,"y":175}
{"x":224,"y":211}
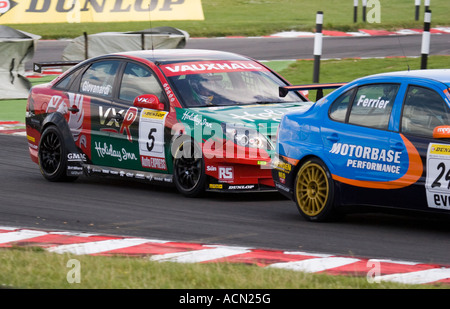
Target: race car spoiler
{"x":37,"y":66}
{"x":283,"y":91}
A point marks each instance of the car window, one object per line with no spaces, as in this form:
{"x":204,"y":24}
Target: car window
{"x":65,"y":82}
{"x":225,"y":83}
{"x":338,"y":110}
{"x":423,"y":110}
{"x":372,"y":105}
{"x":137,"y":80}
{"x":99,"y":78}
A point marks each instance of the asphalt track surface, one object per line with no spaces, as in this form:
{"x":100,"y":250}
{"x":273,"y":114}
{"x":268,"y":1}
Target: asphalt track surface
{"x":268,"y":220}
{"x":269,"y":48}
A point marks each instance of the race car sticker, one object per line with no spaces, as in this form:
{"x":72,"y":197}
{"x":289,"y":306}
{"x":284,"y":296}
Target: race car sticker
{"x":438,"y":176}
{"x":202,"y":67}
{"x":406,"y":178}
{"x":151,"y":139}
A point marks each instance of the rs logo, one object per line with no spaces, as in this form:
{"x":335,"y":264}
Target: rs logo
{"x":226,"y":173}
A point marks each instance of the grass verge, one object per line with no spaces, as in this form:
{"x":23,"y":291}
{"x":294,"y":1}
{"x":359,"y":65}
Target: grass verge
{"x":35,"y":268}
{"x":262,"y":17}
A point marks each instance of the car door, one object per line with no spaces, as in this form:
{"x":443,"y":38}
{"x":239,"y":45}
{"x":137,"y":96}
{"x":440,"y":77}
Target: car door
{"x":139,"y":140}
{"x":95,"y":86}
{"x":424,"y":113}
{"x":364,"y":153}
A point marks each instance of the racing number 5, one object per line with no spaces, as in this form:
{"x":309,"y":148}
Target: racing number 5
{"x":151,"y":139}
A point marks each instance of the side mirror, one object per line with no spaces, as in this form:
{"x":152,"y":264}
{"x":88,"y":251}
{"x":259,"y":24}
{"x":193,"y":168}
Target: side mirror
{"x":441,"y":132}
{"x":149,"y":101}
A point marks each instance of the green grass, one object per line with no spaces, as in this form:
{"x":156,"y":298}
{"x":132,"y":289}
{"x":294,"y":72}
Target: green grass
{"x":262,"y":17}
{"x":33,"y":268}
{"x":346,"y":70}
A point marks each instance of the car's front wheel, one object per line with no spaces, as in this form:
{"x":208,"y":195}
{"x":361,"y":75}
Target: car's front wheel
{"x":189,"y":169}
{"x":52,"y":155}
{"x":314,"y":191}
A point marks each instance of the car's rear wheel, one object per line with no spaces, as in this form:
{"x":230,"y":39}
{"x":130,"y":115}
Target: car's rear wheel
{"x":189,"y":169}
{"x":314,"y":191}
{"x":52,"y":156}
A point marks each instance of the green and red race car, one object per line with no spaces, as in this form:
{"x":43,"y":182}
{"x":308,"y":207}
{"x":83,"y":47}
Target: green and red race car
{"x":198,"y":119}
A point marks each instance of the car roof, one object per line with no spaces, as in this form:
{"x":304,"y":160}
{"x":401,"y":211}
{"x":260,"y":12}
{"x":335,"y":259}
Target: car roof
{"x":183,"y":55}
{"x":440,"y":75}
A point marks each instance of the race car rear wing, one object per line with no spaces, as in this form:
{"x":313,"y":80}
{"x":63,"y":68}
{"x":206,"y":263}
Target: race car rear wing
{"x":283,"y":91}
{"x":37,"y":66}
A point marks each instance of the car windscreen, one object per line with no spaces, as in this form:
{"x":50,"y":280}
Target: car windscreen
{"x":226,"y":83}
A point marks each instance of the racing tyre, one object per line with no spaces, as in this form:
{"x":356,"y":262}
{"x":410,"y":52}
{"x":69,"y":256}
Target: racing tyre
{"x":189,"y":169}
{"x":52,"y":156}
{"x":314,"y":191}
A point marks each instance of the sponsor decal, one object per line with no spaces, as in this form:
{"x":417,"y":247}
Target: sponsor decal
{"x":282,"y":166}
{"x":215,"y":186}
{"x":282,"y":187}
{"x":282,"y":177}
{"x":373,"y":103}
{"x":76,"y":120}
{"x":151,"y":139}
{"x":438,"y":181}
{"x":86,"y":86}
{"x":211,"y":168}
{"x":267,"y":114}
{"x":74,"y":170}
{"x":169,"y":92}
{"x":106,"y":150}
{"x":203,"y":67}
{"x":71,"y":157}
{"x":376,"y":159}
{"x":107,"y":118}
{"x":241,"y":187}
{"x":151,"y":114}
{"x":413,"y":173}
{"x":441,"y":132}
{"x":153,"y":163}
{"x":226,"y":173}
{"x":197,"y":119}
{"x":63,"y":11}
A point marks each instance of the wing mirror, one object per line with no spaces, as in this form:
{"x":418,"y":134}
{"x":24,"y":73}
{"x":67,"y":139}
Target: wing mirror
{"x":149,"y":101}
{"x":441,"y":132}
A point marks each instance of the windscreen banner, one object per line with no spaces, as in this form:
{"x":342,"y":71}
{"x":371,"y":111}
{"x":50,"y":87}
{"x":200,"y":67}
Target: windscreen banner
{"x":83,"y":11}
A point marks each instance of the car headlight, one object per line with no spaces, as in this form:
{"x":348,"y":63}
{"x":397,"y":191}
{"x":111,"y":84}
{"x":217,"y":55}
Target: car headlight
{"x":246,"y":137}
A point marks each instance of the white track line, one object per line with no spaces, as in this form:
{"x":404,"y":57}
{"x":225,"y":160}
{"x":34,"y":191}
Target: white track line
{"x":198,"y":256}
{"x":101,"y":246}
{"x":19,"y":235}
{"x":418,"y":277}
{"x":315,"y":264}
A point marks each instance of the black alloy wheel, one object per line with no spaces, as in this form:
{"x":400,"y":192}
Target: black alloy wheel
{"x":189,"y":169}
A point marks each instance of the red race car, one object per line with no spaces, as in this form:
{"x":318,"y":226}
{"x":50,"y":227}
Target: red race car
{"x":202,"y":120}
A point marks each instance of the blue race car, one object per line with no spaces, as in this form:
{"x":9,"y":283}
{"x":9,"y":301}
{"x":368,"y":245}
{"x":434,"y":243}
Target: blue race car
{"x":381,"y":140}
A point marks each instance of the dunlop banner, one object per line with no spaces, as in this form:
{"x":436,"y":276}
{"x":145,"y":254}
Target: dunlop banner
{"x":81,"y":11}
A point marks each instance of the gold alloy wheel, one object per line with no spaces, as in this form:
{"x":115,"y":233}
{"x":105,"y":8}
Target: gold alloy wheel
{"x":312,"y":189}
